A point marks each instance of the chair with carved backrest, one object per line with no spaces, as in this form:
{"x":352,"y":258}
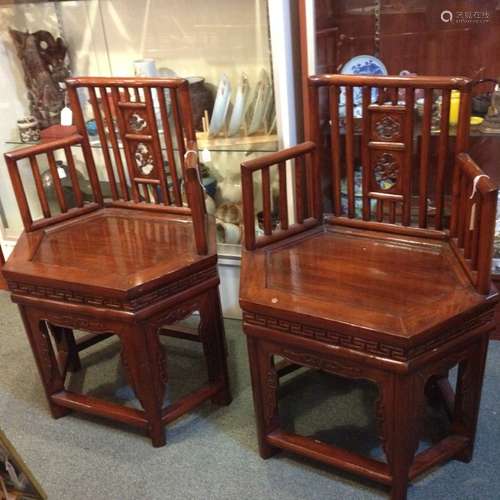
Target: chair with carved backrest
{"x":129,"y":251}
{"x":392,"y":285}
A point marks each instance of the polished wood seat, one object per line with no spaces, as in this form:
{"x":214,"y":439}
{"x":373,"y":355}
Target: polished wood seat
{"x":397,"y":287}
{"x":129,"y":263}
{"x":383,"y":281}
{"x":132,"y":244}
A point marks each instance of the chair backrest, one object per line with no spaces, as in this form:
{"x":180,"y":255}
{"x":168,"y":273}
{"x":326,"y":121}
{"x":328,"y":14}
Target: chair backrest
{"x":148,"y":144}
{"x":379,"y":173}
{"x":383,"y":178}
{"x":144,"y":128}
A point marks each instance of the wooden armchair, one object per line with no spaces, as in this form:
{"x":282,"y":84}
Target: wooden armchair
{"x":130,"y":258}
{"x":391,"y":284}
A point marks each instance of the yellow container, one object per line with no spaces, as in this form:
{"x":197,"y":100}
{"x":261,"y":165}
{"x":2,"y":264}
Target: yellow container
{"x":454,"y":107}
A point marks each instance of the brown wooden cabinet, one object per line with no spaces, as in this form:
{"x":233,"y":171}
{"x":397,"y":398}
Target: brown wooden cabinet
{"x":411,"y":34}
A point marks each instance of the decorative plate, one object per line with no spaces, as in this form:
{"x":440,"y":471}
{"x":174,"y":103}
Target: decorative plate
{"x":268,"y":107}
{"x":239,"y":106}
{"x":362,"y":65}
{"x":221,"y":105}
{"x":260,"y":102}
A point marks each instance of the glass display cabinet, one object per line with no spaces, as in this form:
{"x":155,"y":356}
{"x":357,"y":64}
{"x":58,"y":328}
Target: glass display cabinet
{"x":412,"y":37}
{"x":226,"y":51}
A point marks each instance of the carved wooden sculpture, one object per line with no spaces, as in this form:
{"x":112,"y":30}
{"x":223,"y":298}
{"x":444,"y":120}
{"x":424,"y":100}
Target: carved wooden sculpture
{"x":396,"y":291}
{"x":129,"y":265}
{"x":45,"y":70}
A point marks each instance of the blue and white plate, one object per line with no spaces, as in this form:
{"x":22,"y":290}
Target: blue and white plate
{"x":362,"y":65}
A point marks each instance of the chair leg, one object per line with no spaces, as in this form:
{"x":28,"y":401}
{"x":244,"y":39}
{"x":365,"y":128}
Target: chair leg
{"x":144,"y":361}
{"x":404,"y":420}
{"x":39,"y":339}
{"x":214,"y":345}
{"x":264,"y":387}
{"x":468,"y":395}
{"x":66,"y":344}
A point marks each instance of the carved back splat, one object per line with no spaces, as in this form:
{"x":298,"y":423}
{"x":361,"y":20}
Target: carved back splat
{"x":144,"y":148}
{"x":372,"y":125}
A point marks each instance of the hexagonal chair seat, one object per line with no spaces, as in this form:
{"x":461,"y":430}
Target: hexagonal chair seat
{"x":113,"y":257}
{"x":363,"y":290}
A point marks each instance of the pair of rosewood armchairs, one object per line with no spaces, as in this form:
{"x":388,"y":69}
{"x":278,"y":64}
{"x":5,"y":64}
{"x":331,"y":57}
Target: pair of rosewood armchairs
{"x":381,"y":273}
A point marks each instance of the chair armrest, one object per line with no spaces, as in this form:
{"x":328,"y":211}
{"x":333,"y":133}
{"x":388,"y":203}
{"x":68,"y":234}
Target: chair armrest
{"x":303,"y":169}
{"x":43,"y":147}
{"x":473,"y":219}
{"x":47,"y":149}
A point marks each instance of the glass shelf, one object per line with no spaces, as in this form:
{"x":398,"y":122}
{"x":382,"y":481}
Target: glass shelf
{"x":247,"y":145}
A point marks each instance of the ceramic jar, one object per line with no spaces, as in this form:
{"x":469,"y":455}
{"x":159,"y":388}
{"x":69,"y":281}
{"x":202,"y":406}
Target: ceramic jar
{"x":91,"y":127}
{"x":229,"y":217}
{"x":210,"y":184}
{"x":230,"y":212}
{"x":29,"y":131}
{"x":481,"y":103}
